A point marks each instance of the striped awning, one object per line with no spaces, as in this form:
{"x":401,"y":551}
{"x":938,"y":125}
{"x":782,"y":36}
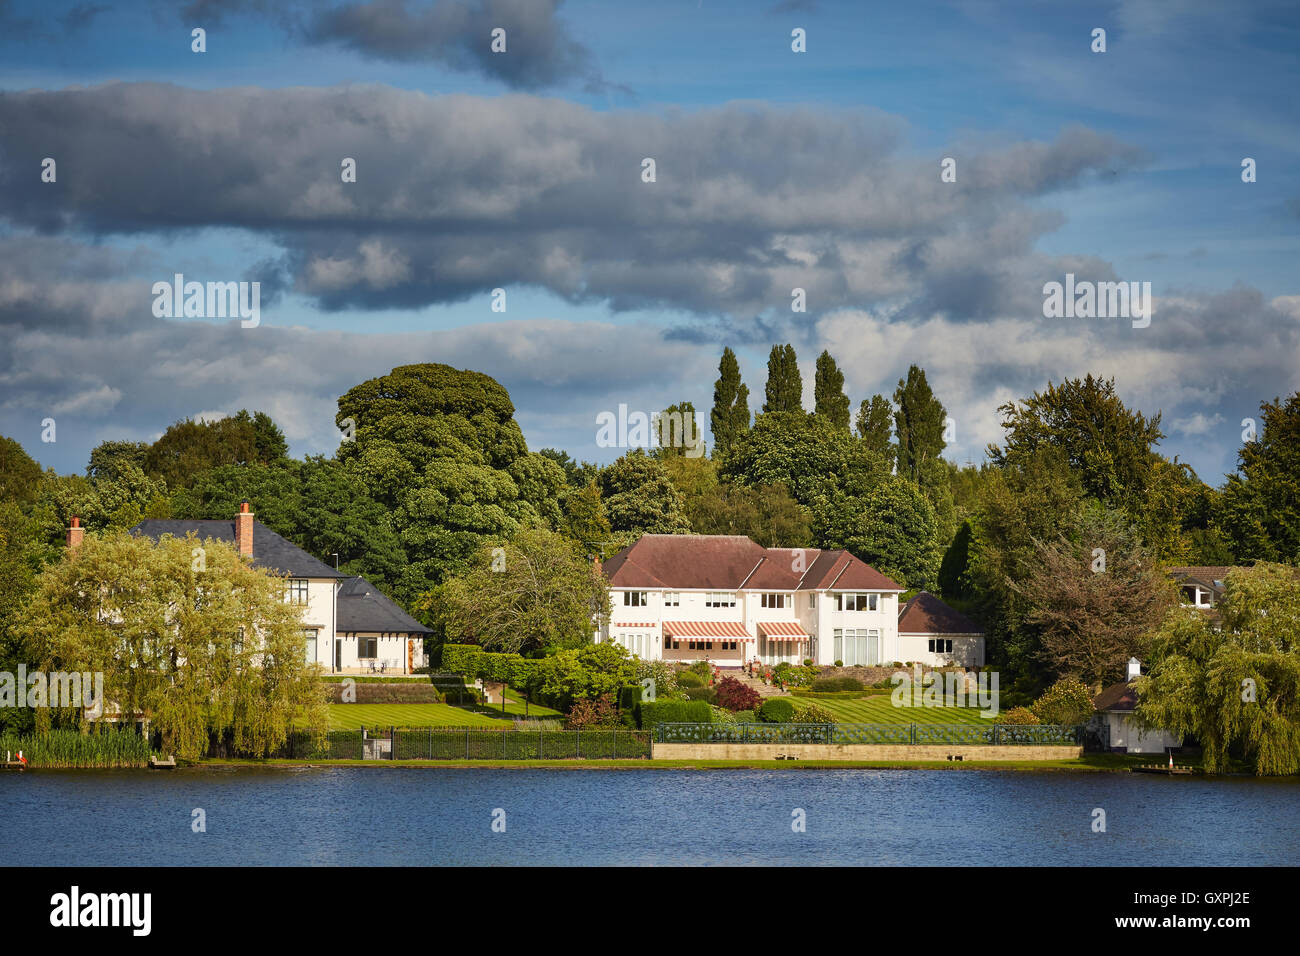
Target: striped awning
{"x":782,"y":631}
{"x":638,"y":625}
{"x":728,"y":630}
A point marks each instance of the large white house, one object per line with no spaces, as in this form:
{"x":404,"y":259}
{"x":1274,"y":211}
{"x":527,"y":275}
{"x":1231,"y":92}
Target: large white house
{"x":349,"y":627}
{"x":727,"y":599}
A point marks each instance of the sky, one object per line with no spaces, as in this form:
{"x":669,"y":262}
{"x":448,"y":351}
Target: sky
{"x":523,"y":171}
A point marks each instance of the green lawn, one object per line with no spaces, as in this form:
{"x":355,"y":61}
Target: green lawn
{"x":879,"y":710}
{"x":353,"y":716}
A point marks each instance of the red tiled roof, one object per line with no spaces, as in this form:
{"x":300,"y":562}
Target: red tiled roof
{"x":728,"y":562}
{"x":926,"y":614}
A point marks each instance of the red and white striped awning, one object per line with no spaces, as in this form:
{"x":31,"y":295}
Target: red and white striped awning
{"x":638,"y":624}
{"x":727,"y":630}
{"x":782,"y":631}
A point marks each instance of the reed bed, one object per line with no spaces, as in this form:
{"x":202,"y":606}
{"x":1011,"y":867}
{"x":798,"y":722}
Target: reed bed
{"x":71,"y":749}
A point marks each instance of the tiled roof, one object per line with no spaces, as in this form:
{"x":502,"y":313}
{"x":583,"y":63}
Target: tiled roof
{"x":926,"y":614}
{"x":726,"y":562}
{"x":270,"y":551}
{"x":364,"y":609}
{"x":1121,"y":696}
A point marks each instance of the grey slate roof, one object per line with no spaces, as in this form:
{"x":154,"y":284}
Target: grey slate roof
{"x":270,"y":551}
{"x":364,"y":609}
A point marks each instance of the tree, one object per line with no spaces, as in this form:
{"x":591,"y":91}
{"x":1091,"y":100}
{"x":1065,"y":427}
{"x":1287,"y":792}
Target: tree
{"x":1261,"y":503}
{"x":1066,"y":702}
{"x":273,"y":492}
{"x":441,"y":450}
{"x":188,"y":448}
{"x":784,"y":391}
{"x":677,"y":433}
{"x":585,"y":520}
{"x":891,"y":527}
{"x":201,"y":647}
{"x":585,"y":673}
{"x":1093,"y":596}
{"x":730,"y":416}
{"x":806,"y":454}
{"x":20,"y":559}
{"x":639,"y":496}
{"x":919,"y":422}
{"x":874,"y":424}
{"x":1235,"y":688}
{"x":537,"y":592}
{"x":20,"y":475}
{"x":828,"y":391}
{"x":1108,"y":446}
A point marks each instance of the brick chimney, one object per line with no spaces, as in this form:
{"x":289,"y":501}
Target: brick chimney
{"x":75,"y":533}
{"x":244,"y":529}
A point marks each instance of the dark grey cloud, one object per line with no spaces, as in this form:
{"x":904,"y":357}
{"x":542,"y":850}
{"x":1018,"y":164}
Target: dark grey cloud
{"x":457,"y":195}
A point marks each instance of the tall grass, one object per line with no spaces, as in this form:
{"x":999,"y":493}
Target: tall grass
{"x":71,"y":749}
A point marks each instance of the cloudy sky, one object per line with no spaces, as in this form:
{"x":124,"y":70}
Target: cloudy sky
{"x":522,"y":171}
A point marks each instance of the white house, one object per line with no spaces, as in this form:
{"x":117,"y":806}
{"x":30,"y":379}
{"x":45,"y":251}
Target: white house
{"x":931,"y":632}
{"x":349,"y":627}
{"x":1114,"y":707}
{"x":727,"y":599}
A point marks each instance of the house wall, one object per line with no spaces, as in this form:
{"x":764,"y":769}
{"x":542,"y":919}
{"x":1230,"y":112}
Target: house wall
{"x":1125,"y":733}
{"x":319,"y":613}
{"x":967,"y":649}
{"x":390,"y":647}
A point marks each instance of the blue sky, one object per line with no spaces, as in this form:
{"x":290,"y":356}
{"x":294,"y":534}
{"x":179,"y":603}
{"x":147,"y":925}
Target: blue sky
{"x":614,"y":300}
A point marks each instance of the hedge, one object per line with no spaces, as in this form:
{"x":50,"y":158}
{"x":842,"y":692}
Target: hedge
{"x":776,"y":710}
{"x":462,"y":659}
{"x":497,"y":667}
{"x":651,"y":713}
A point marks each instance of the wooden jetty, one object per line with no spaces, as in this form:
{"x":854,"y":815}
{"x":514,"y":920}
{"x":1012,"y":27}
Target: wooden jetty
{"x":168,"y":764}
{"x":13,"y":765}
{"x":1161,"y":768}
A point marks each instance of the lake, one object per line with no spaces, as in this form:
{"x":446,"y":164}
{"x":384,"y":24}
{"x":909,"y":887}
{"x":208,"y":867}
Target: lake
{"x":408,"y":816}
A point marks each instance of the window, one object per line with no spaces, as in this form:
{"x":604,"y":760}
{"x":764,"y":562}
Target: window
{"x":856,"y":602}
{"x":309,"y":634}
{"x":296,"y":591}
{"x":940,"y":646}
{"x":812,"y":601}
{"x":856,"y":646}
{"x":773,"y":600}
{"x":720,"y":599}
{"x":635,"y":599}
{"x":367,"y":648}
{"x":672,"y":599}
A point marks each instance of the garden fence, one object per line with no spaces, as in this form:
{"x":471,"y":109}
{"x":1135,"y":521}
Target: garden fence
{"x":683,"y":733}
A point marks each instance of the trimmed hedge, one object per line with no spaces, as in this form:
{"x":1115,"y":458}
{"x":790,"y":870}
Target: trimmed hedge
{"x":832,"y":684}
{"x":629,"y":696}
{"x":462,"y":659}
{"x":776,"y":710}
{"x":689,"y":679}
{"x":497,"y":667}
{"x":651,"y":713}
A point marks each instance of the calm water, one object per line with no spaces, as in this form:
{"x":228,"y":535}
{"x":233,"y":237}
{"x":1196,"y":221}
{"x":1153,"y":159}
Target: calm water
{"x":443,"y":816}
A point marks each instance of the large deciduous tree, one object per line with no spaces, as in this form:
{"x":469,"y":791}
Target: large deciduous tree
{"x":1236,"y":687}
{"x":537,"y":592}
{"x":640,"y":497}
{"x":185,"y":632}
{"x":891,"y":527}
{"x":1092,"y":597}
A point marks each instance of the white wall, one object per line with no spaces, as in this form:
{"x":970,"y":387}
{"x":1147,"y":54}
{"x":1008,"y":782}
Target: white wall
{"x":1124,"y":732}
{"x":967,"y":649}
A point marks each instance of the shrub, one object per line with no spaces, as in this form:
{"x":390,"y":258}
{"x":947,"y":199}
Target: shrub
{"x":689,"y":679}
{"x":793,"y":676}
{"x":832,"y":684}
{"x":629,"y":697}
{"x":734,"y":695}
{"x":807,"y":662}
{"x":839,"y":663}
{"x":1018,"y":715}
{"x":776,"y":710}
{"x":522,"y":670}
{"x":651,"y":713}
{"x":660,"y":672}
{"x":745,"y":717}
{"x":586,"y":712}
{"x":1065,"y":702}
{"x":701,"y":693}
{"x":810,"y":713}
{"x":462,"y":659}
{"x":703,"y":668}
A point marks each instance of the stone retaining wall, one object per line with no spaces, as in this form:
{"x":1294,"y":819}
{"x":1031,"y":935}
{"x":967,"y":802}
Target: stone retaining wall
{"x":900,"y":752}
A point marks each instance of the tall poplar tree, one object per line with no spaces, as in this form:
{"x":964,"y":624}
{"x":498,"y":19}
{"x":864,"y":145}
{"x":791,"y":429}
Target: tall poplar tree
{"x":828,"y":391}
{"x":919,"y":424}
{"x":784,"y":383}
{"x":730,"y":416}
